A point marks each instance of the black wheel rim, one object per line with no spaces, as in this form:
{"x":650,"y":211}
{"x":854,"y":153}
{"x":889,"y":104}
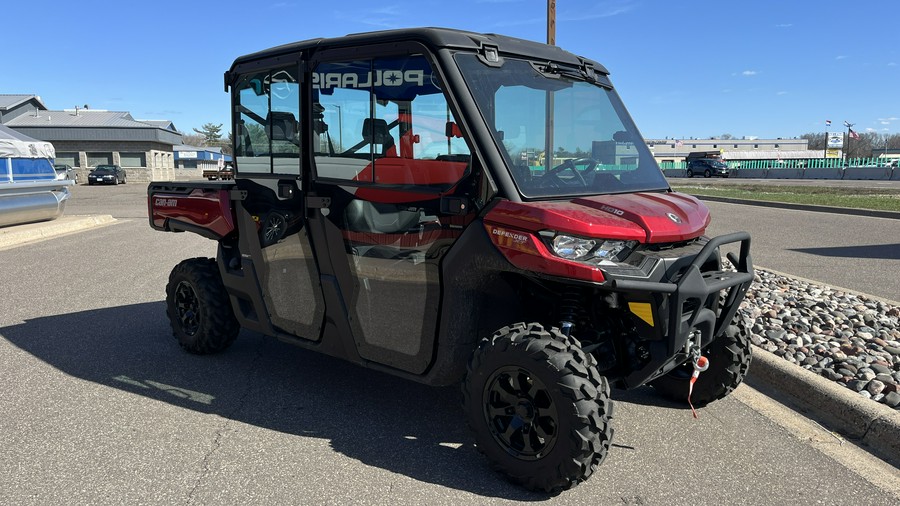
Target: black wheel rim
{"x":520,"y":413}
{"x":273,"y":228}
{"x":187,"y":307}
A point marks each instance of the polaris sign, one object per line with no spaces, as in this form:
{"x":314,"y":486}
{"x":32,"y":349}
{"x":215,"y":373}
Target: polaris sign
{"x":374,"y":78}
{"x":389,"y":79}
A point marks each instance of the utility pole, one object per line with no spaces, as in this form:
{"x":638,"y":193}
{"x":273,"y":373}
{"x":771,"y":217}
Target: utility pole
{"x":551,"y":22}
{"x":847,"y":151}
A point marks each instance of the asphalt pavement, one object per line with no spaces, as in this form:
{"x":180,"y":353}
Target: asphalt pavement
{"x":101,"y":407}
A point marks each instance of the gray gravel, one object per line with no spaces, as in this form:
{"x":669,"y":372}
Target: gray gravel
{"x":849,"y":338}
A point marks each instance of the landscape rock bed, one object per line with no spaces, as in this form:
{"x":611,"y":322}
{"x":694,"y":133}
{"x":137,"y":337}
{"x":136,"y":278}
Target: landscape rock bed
{"x":848,"y":338}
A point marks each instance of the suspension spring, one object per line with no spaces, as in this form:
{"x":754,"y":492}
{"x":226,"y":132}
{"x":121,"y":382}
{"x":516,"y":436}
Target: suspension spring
{"x":569,"y":309}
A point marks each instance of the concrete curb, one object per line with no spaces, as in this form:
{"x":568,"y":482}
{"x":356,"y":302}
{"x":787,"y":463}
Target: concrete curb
{"x":849,"y":414}
{"x":805,"y":207}
{"x":22,"y":234}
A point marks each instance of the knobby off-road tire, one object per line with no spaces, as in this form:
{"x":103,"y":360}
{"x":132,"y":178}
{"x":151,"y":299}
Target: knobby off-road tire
{"x":539,"y":409}
{"x":198,"y":307}
{"x":729,"y":360}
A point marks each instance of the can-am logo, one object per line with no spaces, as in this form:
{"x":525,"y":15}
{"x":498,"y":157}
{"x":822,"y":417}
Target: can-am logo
{"x":165,"y":203}
{"x":612,"y":210}
{"x":375,"y":78}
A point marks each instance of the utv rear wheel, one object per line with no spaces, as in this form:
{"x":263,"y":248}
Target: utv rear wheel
{"x":729,"y":360}
{"x":272,"y":229}
{"x":198,"y":307}
{"x":538,"y":407}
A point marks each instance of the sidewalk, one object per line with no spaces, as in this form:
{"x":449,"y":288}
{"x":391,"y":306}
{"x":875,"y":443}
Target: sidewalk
{"x":16,"y":235}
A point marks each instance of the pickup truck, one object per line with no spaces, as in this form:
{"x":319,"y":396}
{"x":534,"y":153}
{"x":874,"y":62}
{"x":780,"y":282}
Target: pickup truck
{"x":223,"y":174}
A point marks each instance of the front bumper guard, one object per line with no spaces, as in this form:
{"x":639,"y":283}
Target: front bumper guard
{"x":691,"y":320}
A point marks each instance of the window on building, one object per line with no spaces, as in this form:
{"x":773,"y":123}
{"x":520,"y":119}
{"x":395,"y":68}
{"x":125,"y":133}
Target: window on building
{"x":95,"y":159}
{"x":715,"y":146}
{"x":693,"y":145}
{"x":133,"y":159}
{"x":71,"y":159}
{"x":776,"y":146}
{"x":756,"y":145}
{"x":735,"y":146}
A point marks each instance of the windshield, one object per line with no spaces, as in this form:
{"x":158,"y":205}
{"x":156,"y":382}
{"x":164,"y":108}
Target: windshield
{"x":104,"y":168}
{"x":591,"y":146}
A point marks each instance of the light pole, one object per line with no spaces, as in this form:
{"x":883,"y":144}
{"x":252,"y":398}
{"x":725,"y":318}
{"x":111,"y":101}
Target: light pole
{"x":340,"y":127}
{"x":847,"y":152}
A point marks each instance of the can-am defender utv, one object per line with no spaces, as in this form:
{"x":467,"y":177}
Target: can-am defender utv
{"x":455,"y":207}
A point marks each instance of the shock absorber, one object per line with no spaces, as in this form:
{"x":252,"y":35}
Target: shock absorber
{"x":569,"y":309}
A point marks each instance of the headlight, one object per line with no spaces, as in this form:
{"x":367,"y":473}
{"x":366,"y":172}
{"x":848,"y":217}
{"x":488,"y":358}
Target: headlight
{"x":591,"y":251}
{"x":570,"y":247}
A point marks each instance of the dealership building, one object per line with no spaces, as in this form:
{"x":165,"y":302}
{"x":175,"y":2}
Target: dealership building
{"x":677,"y":150}
{"x":85,"y":138}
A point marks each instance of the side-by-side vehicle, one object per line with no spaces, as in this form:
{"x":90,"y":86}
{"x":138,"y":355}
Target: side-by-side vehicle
{"x":461,"y":208}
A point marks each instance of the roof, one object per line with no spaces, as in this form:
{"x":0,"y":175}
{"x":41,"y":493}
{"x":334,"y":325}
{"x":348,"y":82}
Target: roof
{"x":783,"y":154}
{"x":79,"y":118}
{"x":9,"y":101}
{"x":160,"y":123}
{"x":188,"y":147}
{"x":433,"y":37}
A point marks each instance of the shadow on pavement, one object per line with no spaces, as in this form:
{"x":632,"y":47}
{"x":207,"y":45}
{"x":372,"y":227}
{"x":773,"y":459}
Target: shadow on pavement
{"x":877,"y":251}
{"x":380,"y":420}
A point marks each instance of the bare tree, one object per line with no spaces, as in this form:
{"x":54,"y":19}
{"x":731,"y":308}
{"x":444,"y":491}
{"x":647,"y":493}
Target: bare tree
{"x":814,"y":140}
{"x":193,"y":140}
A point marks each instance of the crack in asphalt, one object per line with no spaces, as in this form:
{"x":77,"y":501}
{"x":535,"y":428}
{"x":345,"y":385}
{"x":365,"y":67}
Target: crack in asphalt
{"x":228,"y":418}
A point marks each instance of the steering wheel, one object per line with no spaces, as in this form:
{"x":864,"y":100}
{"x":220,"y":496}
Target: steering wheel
{"x":568,"y":164}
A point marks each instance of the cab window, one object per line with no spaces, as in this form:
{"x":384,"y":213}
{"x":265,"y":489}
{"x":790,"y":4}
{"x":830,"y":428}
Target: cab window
{"x":267,"y":125}
{"x":385,"y":121}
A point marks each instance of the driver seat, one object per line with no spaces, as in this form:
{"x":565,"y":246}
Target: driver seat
{"x":375,"y":131}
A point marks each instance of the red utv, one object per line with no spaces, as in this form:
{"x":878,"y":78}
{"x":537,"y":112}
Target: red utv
{"x":460,"y":208}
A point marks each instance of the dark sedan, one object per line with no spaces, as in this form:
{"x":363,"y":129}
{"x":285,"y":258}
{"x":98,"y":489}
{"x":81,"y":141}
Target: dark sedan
{"x":107,"y":174}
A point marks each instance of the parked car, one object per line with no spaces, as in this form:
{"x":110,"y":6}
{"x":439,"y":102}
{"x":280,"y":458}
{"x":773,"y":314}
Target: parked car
{"x":708,"y":167}
{"x":65,"y":171}
{"x":107,"y":174}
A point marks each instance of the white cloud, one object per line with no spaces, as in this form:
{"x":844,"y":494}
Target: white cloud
{"x":749,"y":73}
{"x":892,"y":64}
{"x":605,"y":9}
{"x":782,"y":93}
{"x":784,"y":25}
{"x":840,"y":57}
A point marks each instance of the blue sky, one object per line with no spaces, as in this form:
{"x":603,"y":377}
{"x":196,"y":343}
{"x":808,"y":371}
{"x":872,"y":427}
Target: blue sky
{"x":684,"y":69}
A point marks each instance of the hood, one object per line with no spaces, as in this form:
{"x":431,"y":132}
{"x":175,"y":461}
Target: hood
{"x":644,"y":217}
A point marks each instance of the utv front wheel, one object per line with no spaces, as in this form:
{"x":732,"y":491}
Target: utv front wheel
{"x":198,"y":307}
{"x":729,"y":360}
{"x":538,"y":407}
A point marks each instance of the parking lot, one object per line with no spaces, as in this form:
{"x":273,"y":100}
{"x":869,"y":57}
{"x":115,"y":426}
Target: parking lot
{"x":100,"y":406}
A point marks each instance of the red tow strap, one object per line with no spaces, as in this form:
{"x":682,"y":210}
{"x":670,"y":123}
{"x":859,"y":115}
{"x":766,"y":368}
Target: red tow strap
{"x":700,"y":365}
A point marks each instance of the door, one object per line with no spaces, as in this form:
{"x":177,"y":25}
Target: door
{"x":279,"y":251}
{"x":391,"y":160}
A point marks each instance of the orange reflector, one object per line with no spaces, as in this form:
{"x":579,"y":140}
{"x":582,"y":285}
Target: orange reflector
{"x":642,"y":310}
